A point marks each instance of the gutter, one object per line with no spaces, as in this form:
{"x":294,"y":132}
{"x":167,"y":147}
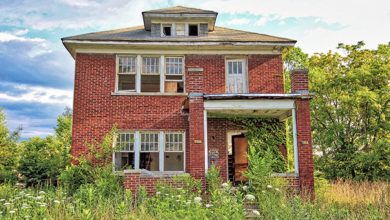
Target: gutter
{"x":192,"y":43}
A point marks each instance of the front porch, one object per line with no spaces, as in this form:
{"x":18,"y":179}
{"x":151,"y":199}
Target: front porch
{"x":223,"y":134}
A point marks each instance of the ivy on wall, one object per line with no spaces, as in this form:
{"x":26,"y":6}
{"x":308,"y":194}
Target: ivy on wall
{"x":264,"y":138}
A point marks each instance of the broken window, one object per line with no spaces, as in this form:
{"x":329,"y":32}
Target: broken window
{"x":166,"y":30}
{"x":174,"y":152}
{"x":124,"y":151}
{"x":180,"y":29}
{"x":150,"y":77}
{"x":126,"y":73}
{"x":193,"y":30}
{"x":149,"y":154}
{"x":174,"y":72}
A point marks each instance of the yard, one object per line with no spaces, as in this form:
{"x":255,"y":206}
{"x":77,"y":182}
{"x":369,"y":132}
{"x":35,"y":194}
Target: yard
{"x":106,"y":200}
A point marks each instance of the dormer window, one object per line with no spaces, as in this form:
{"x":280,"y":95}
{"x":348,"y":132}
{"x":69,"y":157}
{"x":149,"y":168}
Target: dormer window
{"x":167,"y":30}
{"x":193,"y":30}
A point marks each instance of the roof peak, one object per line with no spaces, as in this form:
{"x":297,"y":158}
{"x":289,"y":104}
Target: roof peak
{"x":179,"y":9}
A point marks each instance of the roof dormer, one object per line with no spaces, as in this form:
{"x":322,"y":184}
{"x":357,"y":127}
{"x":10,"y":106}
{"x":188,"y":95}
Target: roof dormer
{"x":179,"y":21}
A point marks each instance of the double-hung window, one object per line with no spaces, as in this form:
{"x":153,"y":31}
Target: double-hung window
{"x":127,"y":73}
{"x":153,"y":151}
{"x":150,"y":75}
{"x":174,"y":72}
{"x":124,"y":151}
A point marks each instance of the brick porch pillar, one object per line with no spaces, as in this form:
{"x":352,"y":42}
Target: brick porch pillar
{"x":299,"y":84}
{"x":194,"y":87}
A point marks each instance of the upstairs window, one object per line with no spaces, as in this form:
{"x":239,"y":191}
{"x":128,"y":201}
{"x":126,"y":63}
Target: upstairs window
{"x":150,"y":77}
{"x":166,"y":30}
{"x":174,"y":73}
{"x":180,"y":29}
{"x":193,"y":30}
{"x":126,"y":73}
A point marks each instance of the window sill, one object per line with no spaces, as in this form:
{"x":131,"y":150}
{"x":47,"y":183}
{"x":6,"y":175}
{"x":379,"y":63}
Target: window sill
{"x":147,"y":94}
{"x":146,"y":173}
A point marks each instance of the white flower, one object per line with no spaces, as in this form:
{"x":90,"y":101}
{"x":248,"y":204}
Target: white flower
{"x":263,"y":191}
{"x":197,"y":200}
{"x":178,"y":196}
{"x":250,"y":197}
{"x":255,"y":212}
{"x":7,"y":204}
{"x":2,"y":200}
{"x":38,"y":197}
{"x":269,"y":186}
{"x":42,"y":205}
{"x":245,"y":188}
{"x":224,"y":185}
{"x":208,"y":205}
{"x":158,"y":193}
{"x":277,"y":189}
{"x":56,"y":201}
{"x":188,"y":202}
{"x":42,"y":192}
{"x":12,"y":211}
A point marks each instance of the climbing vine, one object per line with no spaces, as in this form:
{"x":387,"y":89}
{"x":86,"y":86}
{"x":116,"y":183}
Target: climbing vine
{"x":264,"y":138}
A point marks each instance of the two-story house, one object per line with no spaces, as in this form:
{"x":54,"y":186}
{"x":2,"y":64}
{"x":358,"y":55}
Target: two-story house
{"x":170,"y":86}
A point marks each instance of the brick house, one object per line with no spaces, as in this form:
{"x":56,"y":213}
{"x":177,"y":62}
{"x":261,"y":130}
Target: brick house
{"x":170,"y":87}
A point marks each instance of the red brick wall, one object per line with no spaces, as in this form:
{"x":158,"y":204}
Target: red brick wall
{"x":96,"y":110}
{"x":265,"y":73}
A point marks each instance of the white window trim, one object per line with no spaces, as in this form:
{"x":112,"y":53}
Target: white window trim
{"x":161,"y":151}
{"x":246,"y":74}
{"x":173,"y":28}
{"x":183,"y":74}
{"x":138,"y":75}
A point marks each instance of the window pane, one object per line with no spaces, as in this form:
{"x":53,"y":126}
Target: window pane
{"x":174,"y":142}
{"x":167,"y":30}
{"x":174,"y":65}
{"x":150,"y":83}
{"x":149,"y":161}
{"x":125,"y":142}
{"x":124,"y":160}
{"x":149,"y":142}
{"x":173,"y":161}
{"x":239,"y":67}
{"x":180,"y":29}
{"x":127,"y":64}
{"x":193,"y":30}
{"x":126,"y":82}
{"x":150,"y":65}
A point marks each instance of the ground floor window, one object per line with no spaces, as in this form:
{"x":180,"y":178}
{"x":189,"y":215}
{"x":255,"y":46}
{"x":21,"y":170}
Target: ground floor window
{"x":153,"y":151}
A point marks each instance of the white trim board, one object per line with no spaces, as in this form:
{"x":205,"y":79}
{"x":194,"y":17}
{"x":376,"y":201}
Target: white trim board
{"x":258,"y":104}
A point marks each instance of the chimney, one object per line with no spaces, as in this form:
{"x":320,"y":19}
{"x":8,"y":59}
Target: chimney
{"x":299,"y":81}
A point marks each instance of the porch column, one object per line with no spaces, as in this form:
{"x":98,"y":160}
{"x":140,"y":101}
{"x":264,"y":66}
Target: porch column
{"x":299,"y":81}
{"x":196,"y":152}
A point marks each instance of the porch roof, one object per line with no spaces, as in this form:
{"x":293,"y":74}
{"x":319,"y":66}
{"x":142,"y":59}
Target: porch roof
{"x":257,"y":96}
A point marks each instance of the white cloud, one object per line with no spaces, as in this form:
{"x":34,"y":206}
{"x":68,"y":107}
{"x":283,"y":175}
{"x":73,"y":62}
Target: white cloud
{"x":8,"y":36}
{"x":239,"y":21}
{"x":80,"y":3}
{"x":37,"y":94}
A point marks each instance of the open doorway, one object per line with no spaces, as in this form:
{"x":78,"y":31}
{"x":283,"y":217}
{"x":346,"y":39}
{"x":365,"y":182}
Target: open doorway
{"x":238,"y":158}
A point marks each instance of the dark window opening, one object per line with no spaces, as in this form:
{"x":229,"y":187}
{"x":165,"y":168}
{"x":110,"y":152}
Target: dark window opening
{"x":124,"y":160}
{"x":193,"y":30}
{"x":150,"y":83}
{"x":149,"y":161}
{"x":126,"y":82}
{"x":167,"y":30}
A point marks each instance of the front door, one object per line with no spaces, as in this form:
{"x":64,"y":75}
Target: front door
{"x":240,"y":149}
{"x":236,"y":76}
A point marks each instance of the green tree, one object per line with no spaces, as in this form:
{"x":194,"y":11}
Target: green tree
{"x":8,"y":151}
{"x":350,"y":111}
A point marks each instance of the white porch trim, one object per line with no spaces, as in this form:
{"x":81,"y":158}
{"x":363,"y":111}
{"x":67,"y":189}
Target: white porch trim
{"x":256,"y":104}
{"x":206,"y":149}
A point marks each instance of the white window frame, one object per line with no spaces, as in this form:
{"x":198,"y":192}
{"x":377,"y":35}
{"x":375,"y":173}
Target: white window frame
{"x":245,"y":75}
{"x":171,"y":80}
{"x":116,"y":150}
{"x":139,"y":72}
{"x":127,"y":73}
{"x":161,"y":150}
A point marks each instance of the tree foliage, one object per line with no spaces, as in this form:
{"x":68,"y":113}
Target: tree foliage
{"x":350,"y":111}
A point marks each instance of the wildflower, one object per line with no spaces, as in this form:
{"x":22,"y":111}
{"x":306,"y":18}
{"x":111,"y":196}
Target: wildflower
{"x":263,"y":191}
{"x":41,"y":193}
{"x":277,"y":189}
{"x":12,"y":211}
{"x":7,"y":204}
{"x":25,"y":207}
{"x":256,"y":212}
{"x":177,"y":200}
{"x":250,"y":197}
{"x":188,"y":202}
{"x":197,"y":200}
{"x":208,"y":205}
{"x":38,"y":197}
{"x":224,"y":185}
{"x":179,"y":196}
{"x":269,"y":186}
{"x":158,"y":193}
{"x":2,"y":200}
{"x":43,"y":205}
{"x":56,"y":201}
{"x":245,"y":188}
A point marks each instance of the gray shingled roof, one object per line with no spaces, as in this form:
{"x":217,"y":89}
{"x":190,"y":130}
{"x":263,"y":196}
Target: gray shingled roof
{"x":138,"y":34}
{"x":180,"y":10}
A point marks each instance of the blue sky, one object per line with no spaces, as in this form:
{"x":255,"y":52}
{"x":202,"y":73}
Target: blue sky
{"x":36,"y":71}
